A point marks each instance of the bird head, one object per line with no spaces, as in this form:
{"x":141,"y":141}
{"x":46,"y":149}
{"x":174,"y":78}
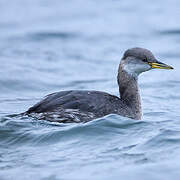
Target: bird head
{"x":138,"y":60}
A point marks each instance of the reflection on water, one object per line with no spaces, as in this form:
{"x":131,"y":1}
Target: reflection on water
{"x":61,"y":45}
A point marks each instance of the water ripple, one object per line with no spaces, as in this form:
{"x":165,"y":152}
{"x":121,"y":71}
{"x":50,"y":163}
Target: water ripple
{"x":174,"y":32}
{"x":42,"y":36}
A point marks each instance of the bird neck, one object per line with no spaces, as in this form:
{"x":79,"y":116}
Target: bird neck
{"x":129,"y":92}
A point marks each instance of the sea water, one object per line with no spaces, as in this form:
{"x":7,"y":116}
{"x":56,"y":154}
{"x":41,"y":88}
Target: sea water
{"x":49,"y":46}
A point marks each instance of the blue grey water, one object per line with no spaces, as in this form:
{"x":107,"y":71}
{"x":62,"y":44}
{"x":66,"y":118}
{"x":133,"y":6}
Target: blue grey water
{"x":48,"y":46}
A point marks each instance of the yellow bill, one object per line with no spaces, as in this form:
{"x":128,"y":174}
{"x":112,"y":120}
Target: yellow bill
{"x":159,"y":65}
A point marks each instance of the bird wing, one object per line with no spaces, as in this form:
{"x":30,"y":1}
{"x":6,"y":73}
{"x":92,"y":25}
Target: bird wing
{"x":88,"y":101}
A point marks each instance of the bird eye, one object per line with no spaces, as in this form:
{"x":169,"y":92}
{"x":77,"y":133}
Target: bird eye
{"x":144,"y":60}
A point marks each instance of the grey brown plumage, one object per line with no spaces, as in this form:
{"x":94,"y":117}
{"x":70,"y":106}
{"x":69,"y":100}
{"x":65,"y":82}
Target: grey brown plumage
{"x":83,"y":106}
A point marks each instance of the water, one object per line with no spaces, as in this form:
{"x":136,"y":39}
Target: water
{"x":48,"y":46}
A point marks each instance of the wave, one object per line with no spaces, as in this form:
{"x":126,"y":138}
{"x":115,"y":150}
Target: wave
{"x":17,"y":129}
{"x":42,"y":36}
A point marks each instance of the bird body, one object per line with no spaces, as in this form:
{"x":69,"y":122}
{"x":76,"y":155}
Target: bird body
{"x":86,"y":105}
{"x":83,"y":106}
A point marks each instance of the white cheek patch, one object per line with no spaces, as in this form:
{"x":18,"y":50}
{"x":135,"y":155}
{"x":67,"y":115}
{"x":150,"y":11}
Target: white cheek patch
{"x":135,"y":69}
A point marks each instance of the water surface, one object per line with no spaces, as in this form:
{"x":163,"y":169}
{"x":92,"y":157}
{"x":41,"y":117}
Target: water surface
{"x":48,"y":46}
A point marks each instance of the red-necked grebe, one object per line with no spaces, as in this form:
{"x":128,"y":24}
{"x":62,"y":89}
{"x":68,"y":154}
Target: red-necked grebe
{"x":83,"y":106}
